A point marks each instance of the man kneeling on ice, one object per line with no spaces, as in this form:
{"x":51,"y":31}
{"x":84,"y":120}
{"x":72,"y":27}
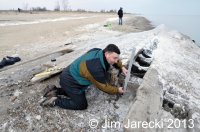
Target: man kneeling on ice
{"x":90,"y":68}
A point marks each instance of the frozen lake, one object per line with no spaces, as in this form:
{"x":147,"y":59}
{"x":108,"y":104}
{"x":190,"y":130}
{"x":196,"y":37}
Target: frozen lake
{"x":186,"y":24}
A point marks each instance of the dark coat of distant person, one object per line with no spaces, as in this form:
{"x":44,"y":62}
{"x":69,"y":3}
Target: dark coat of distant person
{"x":120,"y":13}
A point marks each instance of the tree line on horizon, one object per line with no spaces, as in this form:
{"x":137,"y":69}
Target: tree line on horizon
{"x":60,"y":5}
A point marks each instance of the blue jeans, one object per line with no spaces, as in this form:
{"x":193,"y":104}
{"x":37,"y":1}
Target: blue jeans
{"x":76,"y":101}
{"x":120,"y":20}
{"x":75,"y":92}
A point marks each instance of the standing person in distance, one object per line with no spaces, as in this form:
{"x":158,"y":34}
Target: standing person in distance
{"x":120,"y":14}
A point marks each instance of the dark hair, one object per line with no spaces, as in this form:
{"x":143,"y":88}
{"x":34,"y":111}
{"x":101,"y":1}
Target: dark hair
{"x":112,"y":48}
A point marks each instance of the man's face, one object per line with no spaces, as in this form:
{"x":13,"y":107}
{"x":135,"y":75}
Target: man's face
{"x":111,"y":57}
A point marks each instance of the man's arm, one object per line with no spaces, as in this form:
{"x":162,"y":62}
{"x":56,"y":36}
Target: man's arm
{"x":99,"y":79}
{"x":121,"y":67}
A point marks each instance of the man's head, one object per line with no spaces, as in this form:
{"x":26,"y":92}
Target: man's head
{"x":112,"y":53}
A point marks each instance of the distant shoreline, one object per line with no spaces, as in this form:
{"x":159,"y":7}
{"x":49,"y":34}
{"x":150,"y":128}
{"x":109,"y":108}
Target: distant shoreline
{"x":30,"y":31}
{"x":131,"y":22}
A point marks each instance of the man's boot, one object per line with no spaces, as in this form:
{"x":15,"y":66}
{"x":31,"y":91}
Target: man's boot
{"x":52,"y":93}
{"x":50,"y":90}
{"x":49,"y":102}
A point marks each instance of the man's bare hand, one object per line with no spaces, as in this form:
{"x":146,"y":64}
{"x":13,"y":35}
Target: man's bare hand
{"x":121,"y":90}
{"x":124,"y":70}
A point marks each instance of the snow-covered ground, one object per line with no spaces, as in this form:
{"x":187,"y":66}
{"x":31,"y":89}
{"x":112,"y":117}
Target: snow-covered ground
{"x":39,"y":21}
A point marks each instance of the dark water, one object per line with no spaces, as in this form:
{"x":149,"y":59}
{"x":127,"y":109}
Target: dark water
{"x":186,"y":24}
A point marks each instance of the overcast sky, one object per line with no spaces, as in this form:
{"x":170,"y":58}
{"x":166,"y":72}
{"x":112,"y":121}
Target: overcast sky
{"x":151,"y":7}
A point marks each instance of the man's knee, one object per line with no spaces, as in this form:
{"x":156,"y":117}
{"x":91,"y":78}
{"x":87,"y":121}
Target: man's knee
{"x":82,"y":106}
